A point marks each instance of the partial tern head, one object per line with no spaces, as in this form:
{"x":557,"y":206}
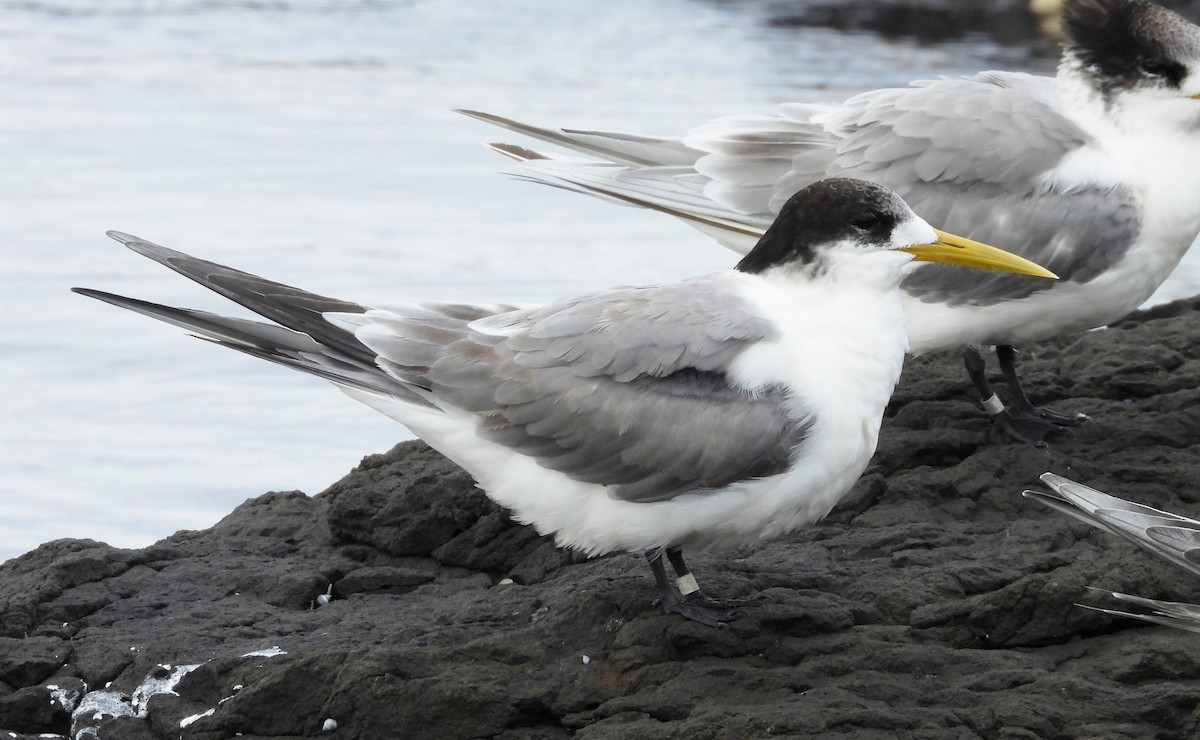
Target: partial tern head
{"x":842,"y":218}
{"x":1134,"y":57}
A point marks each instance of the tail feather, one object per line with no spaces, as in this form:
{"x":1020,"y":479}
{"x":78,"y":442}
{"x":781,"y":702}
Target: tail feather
{"x":727,"y":177}
{"x":630,"y":149}
{"x":676,"y":191}
{"x":291,"y":307}
{"x":273,"y":343}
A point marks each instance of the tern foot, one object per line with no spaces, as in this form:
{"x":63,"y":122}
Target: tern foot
{"x":715,"y":602}
{"x":1051,"y":416}
{"x":708,"y":610}
{"x":1030,"y":428}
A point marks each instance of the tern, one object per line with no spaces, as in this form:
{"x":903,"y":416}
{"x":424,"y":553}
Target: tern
{"x":1169,"y":537}
{"x":718,"y":410}
{"x":1094,"y":173}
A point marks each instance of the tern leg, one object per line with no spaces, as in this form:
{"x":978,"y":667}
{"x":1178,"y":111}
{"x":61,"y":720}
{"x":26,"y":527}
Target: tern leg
{"x":673,"y":600}
{"x":696,"y":596}
{"x":1021,"y":405}
{"x":1027,"y":428}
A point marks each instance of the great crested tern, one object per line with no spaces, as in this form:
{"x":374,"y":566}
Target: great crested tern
{"x":1094,"y":173}
{"x":1170,"y":537}
{"x":717,"y":410}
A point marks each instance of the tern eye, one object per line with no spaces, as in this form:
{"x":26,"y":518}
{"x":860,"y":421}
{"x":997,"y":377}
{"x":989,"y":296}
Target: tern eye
{"x":1154,"y":68}
{"x":866,"y":222}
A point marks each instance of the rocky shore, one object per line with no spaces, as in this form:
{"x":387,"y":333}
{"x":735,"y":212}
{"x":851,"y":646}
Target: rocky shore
{"x":935,"y":602}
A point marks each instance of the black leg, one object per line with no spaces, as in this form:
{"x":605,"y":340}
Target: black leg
{"x":693,"y":604}
{"x":1021,"y":427}
{"x":1006,"y":355}
{"x":976,"y":372}
{"x":691,"y":590}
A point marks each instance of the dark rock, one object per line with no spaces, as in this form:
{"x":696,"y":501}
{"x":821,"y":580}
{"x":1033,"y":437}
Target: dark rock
{"x":934,"y":602}
{"x":408,"y":502}
{"x":929,"y":20}
{"x":24,"y":662}
{"x":36,"y":709}
{"x":1006,"y":21}
{"x":383,"y":580}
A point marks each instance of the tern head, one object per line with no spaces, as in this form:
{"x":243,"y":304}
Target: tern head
{"x":839,"y":219}
{"x":1133,"y":55}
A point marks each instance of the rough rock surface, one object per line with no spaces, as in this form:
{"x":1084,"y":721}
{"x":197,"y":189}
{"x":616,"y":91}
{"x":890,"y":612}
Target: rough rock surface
{"x":935,"y":602}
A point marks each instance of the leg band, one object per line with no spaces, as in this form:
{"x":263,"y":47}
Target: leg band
{"x":687,"y":584}
{"x":993,"y":405}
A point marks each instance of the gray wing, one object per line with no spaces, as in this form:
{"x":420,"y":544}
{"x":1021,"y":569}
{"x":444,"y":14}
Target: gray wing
{"x":1171,"y":537}
{"x":624,"y":388}
{"x":1076,"y":234}
{"x":1168,"y":613}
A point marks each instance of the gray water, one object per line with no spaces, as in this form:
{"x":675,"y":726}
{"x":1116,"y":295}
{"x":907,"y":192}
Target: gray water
{"x":312,"y":142}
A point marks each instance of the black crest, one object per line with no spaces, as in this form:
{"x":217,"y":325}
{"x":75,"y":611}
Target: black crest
{"x":1126,"y":43}
{"x":827,"y":211}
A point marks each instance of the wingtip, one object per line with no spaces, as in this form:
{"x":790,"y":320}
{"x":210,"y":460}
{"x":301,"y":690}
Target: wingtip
{"x":514,"y":152}
{"x":145,"y":247}
{"x":1053,"y":480}
{"x":121,"y":236}
{"x":485,"y":117}
{"x":100,"y":295}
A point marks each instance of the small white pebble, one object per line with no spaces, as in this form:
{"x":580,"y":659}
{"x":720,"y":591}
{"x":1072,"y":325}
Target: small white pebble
{"x":329,"y":726}
{"x":505,"y":582}
{"x":586,"y":660}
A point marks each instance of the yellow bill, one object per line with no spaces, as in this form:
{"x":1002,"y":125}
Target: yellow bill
{"x":955,"y":250}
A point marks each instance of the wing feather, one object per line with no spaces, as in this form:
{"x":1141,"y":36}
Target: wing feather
{"x":624,"y":388}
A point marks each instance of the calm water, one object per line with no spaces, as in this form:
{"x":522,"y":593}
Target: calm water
{"x":311,"y":142}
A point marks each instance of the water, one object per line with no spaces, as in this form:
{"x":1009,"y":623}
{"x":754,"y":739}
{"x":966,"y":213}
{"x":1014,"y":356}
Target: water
{"x":312,"y":142}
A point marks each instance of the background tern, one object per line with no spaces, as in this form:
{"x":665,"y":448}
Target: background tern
{"x":1094,"y":173}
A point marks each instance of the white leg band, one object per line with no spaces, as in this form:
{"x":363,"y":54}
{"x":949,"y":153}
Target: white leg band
{"x":993,"y":405}
{"x":687,"y":584}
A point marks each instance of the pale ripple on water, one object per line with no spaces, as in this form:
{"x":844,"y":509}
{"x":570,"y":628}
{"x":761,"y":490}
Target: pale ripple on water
{"x":311,"y":142}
